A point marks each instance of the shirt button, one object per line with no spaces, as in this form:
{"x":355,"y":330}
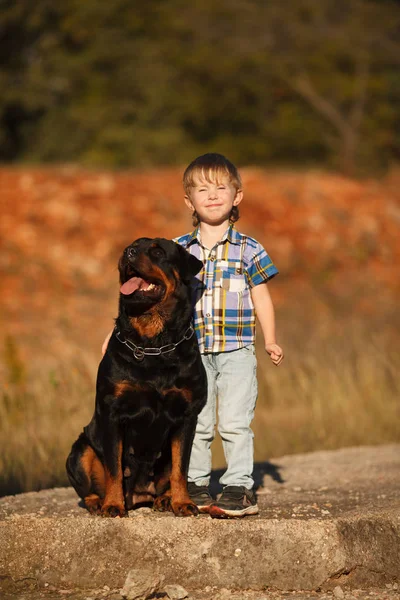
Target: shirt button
{"x":239,"y":271}
{"x":208,"y":315}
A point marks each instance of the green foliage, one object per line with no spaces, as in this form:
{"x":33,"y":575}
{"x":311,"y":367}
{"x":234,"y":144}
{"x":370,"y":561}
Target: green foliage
{"x":136,"y":84}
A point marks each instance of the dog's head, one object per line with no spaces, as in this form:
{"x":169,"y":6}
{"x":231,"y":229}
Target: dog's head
{"x":154,"y":270}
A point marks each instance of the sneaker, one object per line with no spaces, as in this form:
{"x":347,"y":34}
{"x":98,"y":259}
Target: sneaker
{"x":200,"y":495}
{"x":235,"y":501}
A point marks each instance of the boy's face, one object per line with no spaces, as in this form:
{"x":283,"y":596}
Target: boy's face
{"x":213,"y":200}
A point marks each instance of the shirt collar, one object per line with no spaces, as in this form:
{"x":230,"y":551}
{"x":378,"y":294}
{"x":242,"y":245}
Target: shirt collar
{"x":231,"y":234}
{"x":194,"y":236}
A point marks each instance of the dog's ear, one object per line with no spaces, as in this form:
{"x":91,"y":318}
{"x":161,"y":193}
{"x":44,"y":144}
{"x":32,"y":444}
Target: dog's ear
{"x":189,"y":264}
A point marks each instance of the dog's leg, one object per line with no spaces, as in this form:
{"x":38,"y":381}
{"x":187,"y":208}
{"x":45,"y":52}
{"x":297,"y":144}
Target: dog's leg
{"x":113,"y":505}
{"x":181,"y":444}
{"x":86,"y":474}
{"x":163,"y":490}
{"x":162,"y":503}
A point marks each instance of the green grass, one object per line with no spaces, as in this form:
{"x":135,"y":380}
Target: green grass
{"x":338,"y":386}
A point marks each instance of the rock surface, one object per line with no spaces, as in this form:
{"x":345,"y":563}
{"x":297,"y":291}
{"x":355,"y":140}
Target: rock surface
{"x":328,"y":521}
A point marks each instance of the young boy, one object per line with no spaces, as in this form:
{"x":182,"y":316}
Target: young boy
{"x":228,"y":293}
{"x":228,"y":296}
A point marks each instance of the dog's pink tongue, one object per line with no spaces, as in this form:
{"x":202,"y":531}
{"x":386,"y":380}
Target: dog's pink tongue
{"x":131,"y":285}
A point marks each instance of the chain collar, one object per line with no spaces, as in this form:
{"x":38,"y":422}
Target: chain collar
{"x":139,"y":352}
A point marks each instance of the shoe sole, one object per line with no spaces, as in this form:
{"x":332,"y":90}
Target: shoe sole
{"x":222,"y":513}
{"x":204,"y":509}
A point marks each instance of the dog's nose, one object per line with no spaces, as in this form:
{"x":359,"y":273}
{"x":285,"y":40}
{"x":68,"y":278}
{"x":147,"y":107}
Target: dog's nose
{"x":131,"y":252}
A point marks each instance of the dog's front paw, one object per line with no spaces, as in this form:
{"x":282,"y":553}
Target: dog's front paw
{"x":184,"y":509}
{"x":93,"y":503}
{"x":162,"y":503}
{"x":113,"y":510}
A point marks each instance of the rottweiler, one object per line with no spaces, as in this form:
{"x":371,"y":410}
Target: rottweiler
{"x":151,"y":385}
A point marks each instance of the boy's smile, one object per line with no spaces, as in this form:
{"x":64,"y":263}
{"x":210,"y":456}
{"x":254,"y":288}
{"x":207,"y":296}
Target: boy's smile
{"x":213,"y":200}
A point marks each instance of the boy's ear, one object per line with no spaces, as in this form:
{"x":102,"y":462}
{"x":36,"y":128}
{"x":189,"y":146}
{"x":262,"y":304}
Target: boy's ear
{"x":188,"y":203}
{"x":238,"y":198}
{"x":189,"y":264}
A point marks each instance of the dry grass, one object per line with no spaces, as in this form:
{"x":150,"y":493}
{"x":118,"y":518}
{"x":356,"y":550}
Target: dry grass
{"x":333,"y":391}
{"x":38,"y":424}
{"x":338,"y":386}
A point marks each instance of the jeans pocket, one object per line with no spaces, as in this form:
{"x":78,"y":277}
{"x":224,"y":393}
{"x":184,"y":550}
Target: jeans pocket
{"x":250,"y":348}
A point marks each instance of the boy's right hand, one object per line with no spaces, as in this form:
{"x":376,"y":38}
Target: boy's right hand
{"x":105,"y":343}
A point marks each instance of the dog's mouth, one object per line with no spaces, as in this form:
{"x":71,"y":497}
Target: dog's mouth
{"x":137,"y":284}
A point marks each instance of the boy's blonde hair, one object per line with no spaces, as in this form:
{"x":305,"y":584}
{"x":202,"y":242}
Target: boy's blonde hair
{"x":212,"y":167}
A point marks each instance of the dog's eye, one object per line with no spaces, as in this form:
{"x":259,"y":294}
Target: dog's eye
{"x":157,"y":252}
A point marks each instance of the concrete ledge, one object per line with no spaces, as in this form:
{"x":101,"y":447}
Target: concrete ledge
{"x":325,"y":518}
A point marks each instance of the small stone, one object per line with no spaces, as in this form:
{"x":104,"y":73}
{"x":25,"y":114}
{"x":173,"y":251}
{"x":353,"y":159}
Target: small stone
{"x":338,"y":592}
{"x":140,"y":584}
{"x":143,"y":510}
{"x":389,"y":586}
{"x":395,"y":586}
{"x":224,"y":594}
{"x":238,"y":552}
{"x":175,"y":592}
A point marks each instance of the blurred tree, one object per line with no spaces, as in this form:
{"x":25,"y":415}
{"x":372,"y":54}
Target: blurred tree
{"x":337,"y":55}
{"x":132,"y":83}
{"x":321,"y":74}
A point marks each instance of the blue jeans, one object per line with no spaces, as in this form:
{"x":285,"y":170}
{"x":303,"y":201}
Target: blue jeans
{"x":232,"y":379}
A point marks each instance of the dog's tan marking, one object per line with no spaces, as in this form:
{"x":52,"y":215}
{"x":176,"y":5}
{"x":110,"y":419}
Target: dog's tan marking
{"x":94,"y":469}
{"x":113,"y":484}
{"x":152,"y":322}
{"x":149,"y":324}
{"x":123,"y":386}
{"x":187,"y":394}
{"x":179,"y":492}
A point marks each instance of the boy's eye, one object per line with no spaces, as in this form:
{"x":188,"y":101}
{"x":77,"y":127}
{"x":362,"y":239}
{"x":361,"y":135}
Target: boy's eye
{"x":221,"y":187}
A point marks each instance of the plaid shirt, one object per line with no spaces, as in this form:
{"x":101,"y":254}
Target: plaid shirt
{"x":224,"y":315}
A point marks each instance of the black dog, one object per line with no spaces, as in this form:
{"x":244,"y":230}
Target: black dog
{"x":151,"y":385}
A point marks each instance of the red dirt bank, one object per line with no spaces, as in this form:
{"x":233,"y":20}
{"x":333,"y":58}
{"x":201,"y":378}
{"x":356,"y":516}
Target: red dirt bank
{"x":62,"y":231}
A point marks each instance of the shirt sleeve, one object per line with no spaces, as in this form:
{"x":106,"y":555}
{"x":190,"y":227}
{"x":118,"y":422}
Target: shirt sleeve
{"x":260,"y":267}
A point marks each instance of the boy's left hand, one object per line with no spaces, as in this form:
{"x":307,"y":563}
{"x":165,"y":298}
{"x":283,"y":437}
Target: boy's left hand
{"x":275,"y":352}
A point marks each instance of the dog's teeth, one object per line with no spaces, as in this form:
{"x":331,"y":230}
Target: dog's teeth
{"x":151,"y":286}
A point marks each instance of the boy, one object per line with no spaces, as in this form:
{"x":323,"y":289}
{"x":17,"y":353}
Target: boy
{"x":228,"y":295}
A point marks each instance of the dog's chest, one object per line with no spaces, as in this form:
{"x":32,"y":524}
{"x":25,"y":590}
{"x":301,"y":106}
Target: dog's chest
{"x":147,"y":401}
